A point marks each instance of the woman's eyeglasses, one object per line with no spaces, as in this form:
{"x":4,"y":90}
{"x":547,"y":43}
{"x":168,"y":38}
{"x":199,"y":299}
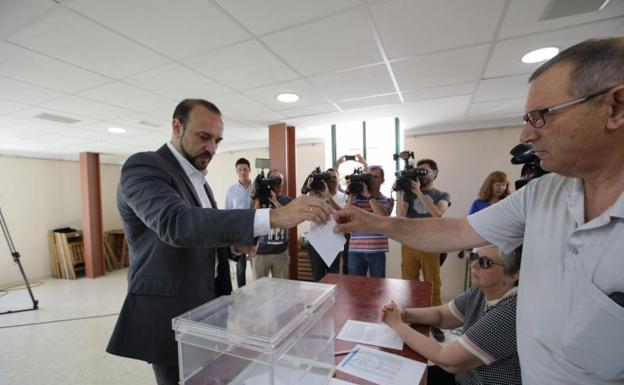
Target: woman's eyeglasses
{"x":484,"y":262}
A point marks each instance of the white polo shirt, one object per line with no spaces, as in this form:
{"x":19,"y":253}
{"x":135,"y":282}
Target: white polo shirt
{"x":569,"y":330}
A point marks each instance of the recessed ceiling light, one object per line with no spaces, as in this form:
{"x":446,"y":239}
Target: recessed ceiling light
{"x":117,"y":130}
{"x":287,"y":97}
{"x":539,"y":55}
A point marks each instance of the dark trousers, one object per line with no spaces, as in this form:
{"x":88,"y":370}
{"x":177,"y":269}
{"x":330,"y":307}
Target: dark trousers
{"x":166,"y":374}
{"x":241,"y":271}
{"x":319,"y":268}
{"x":373,"y":263}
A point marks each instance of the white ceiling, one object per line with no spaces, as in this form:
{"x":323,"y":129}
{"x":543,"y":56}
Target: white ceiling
{"x":443,"y":65}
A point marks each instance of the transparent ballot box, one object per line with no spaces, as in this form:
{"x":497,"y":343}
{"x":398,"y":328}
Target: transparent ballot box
{"x":270,"y":332}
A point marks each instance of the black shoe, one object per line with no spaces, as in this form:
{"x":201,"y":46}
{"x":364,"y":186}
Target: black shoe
{"x":437,"y":334}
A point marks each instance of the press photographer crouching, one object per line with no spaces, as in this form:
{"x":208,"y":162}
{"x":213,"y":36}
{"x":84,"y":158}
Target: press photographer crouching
{"x":272,"y":249}
{"x":367,"y":251}
{"x":324,"y":185}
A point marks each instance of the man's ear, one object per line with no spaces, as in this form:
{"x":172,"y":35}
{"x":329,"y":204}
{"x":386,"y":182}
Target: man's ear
{"x":177,"y":127}
{"x":616,"y":119}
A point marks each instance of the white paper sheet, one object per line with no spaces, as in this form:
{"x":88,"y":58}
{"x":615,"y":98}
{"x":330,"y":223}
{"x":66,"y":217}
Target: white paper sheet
{"x":381,"y":367}
{"x":326,"y":243}
{"x":370,"y":334}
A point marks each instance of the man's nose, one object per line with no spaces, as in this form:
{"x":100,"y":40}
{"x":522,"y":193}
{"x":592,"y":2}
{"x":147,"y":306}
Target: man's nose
{"x":528,"y":133}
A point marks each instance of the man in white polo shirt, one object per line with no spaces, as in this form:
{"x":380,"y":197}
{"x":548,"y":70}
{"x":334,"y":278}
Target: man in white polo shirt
{"x":570,"y":317}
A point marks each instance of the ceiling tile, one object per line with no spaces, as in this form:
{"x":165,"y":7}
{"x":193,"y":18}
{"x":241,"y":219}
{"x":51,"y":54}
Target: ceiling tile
{"x":72,"y":38}
{"x":177,"y":82}
{"x":233,"y":105}
{"x":310,"y":110}
{"x":376,"y":101}
{"x":502,"y":88}
{"x":18,"y":13}
{"x":441,"y":68}
{"x":498,"y":108}
{"x":410,"y":27}
{"x":147,"y":120}
{"x":242,"y":66}
{"x":439,"y":92}
{"x":266,"y":95}
{"x":361,"y":82}
{"x":525,"y":16}
{"x":326,"y":45}
{"x":505,"y":59}
{"x":23,"y":127}
{"x":28,"y":118}
{"x":22,"y":92}
{"x":176,"y":28}
{"x":129,"y":97}
{"x":85,"y":107}
{"x":22,"y":64}
{"x":261,"y":16}
{"x":7,"y":106}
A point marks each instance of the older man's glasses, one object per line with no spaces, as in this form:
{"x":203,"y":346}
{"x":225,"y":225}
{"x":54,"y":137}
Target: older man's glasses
{"x":484,"y":262}
{"x":537,"y":117}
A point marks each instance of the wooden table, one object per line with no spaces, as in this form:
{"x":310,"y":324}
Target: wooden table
{"x":361,"y":298}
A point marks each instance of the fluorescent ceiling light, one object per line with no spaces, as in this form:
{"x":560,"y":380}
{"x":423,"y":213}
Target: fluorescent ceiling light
{"x":117,"y":130}
{"x":287,"y":97}
{"x":540,"y":55}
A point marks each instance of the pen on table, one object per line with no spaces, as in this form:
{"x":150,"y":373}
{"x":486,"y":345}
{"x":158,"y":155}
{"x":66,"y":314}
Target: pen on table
{"x":341,"y":352}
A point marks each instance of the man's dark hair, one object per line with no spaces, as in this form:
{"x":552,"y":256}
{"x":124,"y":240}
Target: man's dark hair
{"x":183,"y":109}
{"x":243,"y":161}
{"x":430,"y":162}
{"x":597,"y":65}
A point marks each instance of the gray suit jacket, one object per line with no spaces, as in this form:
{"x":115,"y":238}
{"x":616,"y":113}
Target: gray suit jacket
{"x":173,"y":243}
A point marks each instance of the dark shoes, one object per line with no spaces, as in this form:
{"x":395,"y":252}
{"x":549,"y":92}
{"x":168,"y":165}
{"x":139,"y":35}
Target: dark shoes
{"x":437,"y":334}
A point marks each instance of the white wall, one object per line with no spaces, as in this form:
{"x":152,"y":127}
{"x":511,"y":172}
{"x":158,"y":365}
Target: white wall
{"x":464,"y":160}
{"x":38,"y":195}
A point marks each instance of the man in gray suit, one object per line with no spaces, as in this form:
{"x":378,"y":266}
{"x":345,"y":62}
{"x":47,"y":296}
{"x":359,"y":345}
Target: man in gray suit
{"x":178,"y":239}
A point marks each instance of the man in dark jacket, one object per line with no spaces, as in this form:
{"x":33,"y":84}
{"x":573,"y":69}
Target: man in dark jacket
{"x":178,"y":240}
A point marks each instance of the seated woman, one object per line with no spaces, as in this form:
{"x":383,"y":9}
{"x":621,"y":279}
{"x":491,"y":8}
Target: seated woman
{"x":486,"y":353}
{"x":495,"y":187}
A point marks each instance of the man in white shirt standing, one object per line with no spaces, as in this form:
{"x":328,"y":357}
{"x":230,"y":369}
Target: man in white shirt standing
{"x":570,"y":314}
{"x":238,"y":196}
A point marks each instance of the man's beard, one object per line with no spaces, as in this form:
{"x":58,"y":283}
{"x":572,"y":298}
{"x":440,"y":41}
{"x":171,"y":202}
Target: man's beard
{"x":193,"y":159}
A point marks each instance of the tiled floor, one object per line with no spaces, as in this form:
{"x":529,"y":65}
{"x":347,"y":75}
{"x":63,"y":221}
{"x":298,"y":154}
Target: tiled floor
{"x":63,"y":341}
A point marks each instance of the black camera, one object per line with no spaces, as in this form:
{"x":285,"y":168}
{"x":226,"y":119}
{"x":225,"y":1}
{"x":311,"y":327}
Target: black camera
{"x":316,"y":181}
{"x":524,"y":154}
{"x":357,"y":180}
{"x":409,"y":173}
{"x":349,"y":157}
{"x":263,"y":186}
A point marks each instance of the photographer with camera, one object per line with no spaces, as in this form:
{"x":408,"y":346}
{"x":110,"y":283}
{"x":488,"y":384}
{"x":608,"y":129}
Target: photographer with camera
{"x":570,"y":308}
{"x":324,"y":185}
{"x":422,"y":200}
{"x":367,"y":250}
{"x":271,"y":249}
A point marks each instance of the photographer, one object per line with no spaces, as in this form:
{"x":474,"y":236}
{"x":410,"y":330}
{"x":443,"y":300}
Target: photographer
{"x":570,"y":309}
{"x":272,"y":249}
{"x":423,"y":201}
{"x":367,"y":250}
{"x":338,"y":201}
